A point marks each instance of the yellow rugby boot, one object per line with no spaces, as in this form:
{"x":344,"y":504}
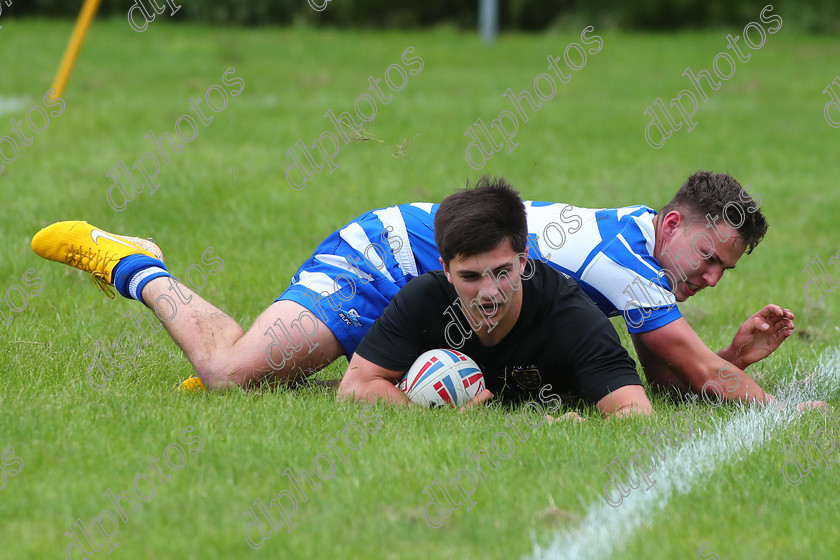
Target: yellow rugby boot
{"x":83,"y":246}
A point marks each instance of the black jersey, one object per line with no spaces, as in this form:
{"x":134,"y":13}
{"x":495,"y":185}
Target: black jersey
{"x":560,"y":337}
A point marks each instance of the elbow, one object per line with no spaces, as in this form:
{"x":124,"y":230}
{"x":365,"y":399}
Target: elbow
{"x":348,"y":388}
{"x":634,"y":409}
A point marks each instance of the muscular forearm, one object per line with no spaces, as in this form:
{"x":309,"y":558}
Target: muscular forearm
{"x":677,"y":348}
{"x":720,"y":378}
{"x":366,"y":381}
{"x":372,"y":390}
{"x":660,"y":375}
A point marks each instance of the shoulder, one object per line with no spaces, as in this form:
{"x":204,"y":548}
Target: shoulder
{"x":434,"y":280}
{"x":557,"y":296}
{"x":418,"y":211}
{"x":547,"y":281}
{"x":627,"y":250}
{"x":426,"y":288}
{"x":633,"y":223}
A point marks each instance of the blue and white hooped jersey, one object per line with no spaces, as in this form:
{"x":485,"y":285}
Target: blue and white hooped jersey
{"x":609,"y":253}
{"x":358,"y":269}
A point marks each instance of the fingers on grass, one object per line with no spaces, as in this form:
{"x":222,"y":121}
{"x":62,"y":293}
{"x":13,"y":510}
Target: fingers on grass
{"x":572,"y":417}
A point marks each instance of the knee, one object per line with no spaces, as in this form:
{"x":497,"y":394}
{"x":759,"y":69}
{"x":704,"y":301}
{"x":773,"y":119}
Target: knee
{"x":221,"y":371}
{"x":215,"y":381}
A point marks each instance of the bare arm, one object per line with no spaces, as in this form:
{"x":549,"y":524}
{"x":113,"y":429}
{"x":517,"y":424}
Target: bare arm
{"x":656,"y":370}
{"x":675,"y":353}
{"x":630,"y":399}
{"x":366,"y":381}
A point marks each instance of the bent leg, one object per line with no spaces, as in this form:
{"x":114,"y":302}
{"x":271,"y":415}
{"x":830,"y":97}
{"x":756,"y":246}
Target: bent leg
{"x":287,"y":341}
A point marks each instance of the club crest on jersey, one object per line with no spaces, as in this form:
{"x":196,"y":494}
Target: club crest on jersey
{"x":351,"y":317}
{"x":527,"y":377}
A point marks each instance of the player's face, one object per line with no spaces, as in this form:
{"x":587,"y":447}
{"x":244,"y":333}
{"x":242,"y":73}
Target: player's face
{"x":697,"y":255}
{"x":489,"y":285}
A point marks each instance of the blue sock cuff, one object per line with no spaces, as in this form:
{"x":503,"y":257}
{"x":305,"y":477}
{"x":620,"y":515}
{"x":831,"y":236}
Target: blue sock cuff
{"x":143,"y":267}
{"x":139,"y":280}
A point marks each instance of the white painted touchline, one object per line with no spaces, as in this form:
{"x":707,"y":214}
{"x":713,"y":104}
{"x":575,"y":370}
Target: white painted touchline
{"x":606,"y":528}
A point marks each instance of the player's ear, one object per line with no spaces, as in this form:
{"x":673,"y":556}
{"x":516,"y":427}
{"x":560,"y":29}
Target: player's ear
{"x":445,"y":269}
{"x":671,"y":222}
{"x":521,"y":260}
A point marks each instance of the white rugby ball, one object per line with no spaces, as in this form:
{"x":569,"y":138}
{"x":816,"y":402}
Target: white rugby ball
{"x":442,"y":377}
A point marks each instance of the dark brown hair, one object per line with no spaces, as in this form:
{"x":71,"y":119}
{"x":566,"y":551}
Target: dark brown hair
{"x":479,"y":219}
{"x":718,"y":194}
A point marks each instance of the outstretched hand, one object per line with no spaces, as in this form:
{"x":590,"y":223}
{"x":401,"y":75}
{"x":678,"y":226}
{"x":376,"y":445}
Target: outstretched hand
{"x":761,"y":334}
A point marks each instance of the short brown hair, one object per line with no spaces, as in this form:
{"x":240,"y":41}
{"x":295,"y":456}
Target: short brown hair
{"x":479,"y":219}
{"x":719,"y":194}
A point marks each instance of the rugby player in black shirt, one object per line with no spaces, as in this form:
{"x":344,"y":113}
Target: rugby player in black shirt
{"x":526,"y":325}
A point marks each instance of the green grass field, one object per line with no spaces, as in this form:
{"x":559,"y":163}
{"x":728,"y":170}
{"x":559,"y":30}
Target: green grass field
{"x":227,"y":190}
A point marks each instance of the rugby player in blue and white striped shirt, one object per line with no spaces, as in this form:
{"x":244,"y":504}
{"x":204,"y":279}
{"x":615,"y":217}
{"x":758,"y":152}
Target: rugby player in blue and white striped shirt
{"x":631,"y":261}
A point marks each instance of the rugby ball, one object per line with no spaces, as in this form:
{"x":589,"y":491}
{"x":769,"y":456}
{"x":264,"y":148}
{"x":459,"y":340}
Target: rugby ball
{"x":442,"y":378}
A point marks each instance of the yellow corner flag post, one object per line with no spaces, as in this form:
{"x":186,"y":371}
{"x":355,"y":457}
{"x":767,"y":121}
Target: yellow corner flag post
{"x":74,"y":46}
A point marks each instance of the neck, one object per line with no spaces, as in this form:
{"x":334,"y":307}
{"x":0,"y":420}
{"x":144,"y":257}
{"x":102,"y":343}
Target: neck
{"x":657,"y":238}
